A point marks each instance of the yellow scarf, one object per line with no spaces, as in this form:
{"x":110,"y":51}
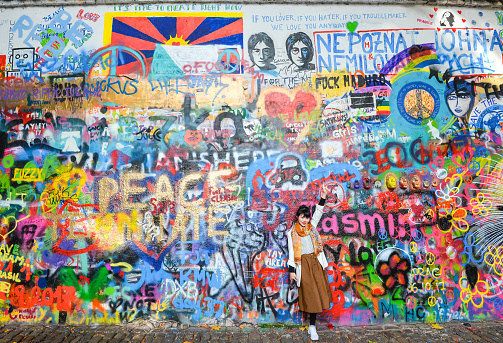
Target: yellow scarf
{"x":297,"y":242}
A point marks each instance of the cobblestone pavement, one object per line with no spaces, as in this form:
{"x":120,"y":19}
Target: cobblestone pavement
{"x":410,"y":333}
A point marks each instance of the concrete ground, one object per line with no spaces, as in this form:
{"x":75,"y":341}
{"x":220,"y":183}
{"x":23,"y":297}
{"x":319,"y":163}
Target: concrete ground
{"x":149,"y":333}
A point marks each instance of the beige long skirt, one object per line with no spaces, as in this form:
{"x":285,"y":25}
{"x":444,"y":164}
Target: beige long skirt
{"x":314,"y":291}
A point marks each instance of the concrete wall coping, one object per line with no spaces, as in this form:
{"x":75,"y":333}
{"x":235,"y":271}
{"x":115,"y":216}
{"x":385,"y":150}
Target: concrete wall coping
{"x":453,"y":3}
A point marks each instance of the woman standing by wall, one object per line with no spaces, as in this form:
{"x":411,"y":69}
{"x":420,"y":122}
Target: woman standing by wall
{"x":307,"y":263}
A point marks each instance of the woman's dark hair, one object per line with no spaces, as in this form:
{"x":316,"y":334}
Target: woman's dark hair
{"x":304,"y":210}
{"x":300,"y":37}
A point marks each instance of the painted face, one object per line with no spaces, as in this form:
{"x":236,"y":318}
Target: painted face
{"x":300,"y":51}
{"x":426,"y":184}
{"x":22,"y":59}
{"x":228,"y":128}
{"x":459,"y":104}
{"x":367,"y":183}
{"x":356,"y":185}
{"x":416,"y":182}
{"x":303,"y":220}
{"x":391,"y":182}
{"x":404,"y":183}
{"x":434,"y":183}
{"x":193,"y":137}
{"x":262,"y":55}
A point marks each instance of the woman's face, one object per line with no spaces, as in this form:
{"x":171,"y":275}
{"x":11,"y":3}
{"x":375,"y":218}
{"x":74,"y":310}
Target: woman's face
{"x":459,"y":104}
{"x":262,"y":55}
{"x":299,"y":54}
{"x":303,"y":220}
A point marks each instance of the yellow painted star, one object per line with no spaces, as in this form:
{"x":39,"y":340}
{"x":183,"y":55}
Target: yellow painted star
{"x":216,"y":328}
{"x":304,"y":328}
{"x":436,"y":326}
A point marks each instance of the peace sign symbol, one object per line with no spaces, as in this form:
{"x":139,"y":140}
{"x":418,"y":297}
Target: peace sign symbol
{"x":228,"y":61}
{"x":498,"y":304}
{"x":481,"y":152}
{"x":423,"y":171}
{"x":474,"y":166}
{"x":430,"y":258}
{"x":411,"y":302}
{"x":432,"y":301}
{"x":413,"y":247}
{"x":114,"y":55}
{"x":383,"y":234}
{"x":417,"y":235}
{"x":450,"y":296}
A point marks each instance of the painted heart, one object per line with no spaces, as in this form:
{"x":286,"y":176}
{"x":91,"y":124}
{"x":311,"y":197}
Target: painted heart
{"x":352,"y":26}
{"x":438,"y":28}
{"x":431,"y":15}
{"x":453,"y":30}
{"x":435,"y":9}
{"x":464,"y":20}
{"x":437,"y":164}
{"x":459,"y":12}
{"x":277,"y":102}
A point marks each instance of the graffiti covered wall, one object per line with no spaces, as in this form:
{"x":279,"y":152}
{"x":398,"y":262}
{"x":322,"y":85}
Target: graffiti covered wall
{"x":153,"y":157}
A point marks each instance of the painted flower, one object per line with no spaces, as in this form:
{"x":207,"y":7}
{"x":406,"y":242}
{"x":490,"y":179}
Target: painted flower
{"x":446,"y":193}
{"x":453,"y":218}
{"x":393,"y":273}
{"x":494,"y":258}
{"x":480,"y":205}
{"x":470,"y":251}
{"x":475,"y":296}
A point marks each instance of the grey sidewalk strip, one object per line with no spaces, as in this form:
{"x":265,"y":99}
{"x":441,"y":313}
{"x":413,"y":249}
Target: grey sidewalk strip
{"x":491,"y":332}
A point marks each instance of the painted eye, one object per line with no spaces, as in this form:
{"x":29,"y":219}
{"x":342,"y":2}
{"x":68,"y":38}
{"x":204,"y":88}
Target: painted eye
{"x":25,"y":56}
{"x":18,"y":56}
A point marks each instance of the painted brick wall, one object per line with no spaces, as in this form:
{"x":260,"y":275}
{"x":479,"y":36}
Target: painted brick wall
{"x":153,"y":158}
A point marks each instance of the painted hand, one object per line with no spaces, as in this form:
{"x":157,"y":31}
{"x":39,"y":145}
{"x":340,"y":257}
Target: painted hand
{"x":324,"y":191}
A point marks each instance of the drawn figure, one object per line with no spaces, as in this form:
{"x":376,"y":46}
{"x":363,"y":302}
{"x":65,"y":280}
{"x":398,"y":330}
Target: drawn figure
{"x":493,"y":124}
{"x":23,"y":58}
{"x":447,"y":19}
{"x":433,"y":130}
{"x":460,"y":100}
{"x":261,"y":51}
{"x":299,"y":48}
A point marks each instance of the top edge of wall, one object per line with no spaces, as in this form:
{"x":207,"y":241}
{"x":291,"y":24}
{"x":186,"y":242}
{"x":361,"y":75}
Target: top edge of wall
{"x":457,"y":3}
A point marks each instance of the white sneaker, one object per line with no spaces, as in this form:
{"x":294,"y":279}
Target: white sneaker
{"x":312,"y":333}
